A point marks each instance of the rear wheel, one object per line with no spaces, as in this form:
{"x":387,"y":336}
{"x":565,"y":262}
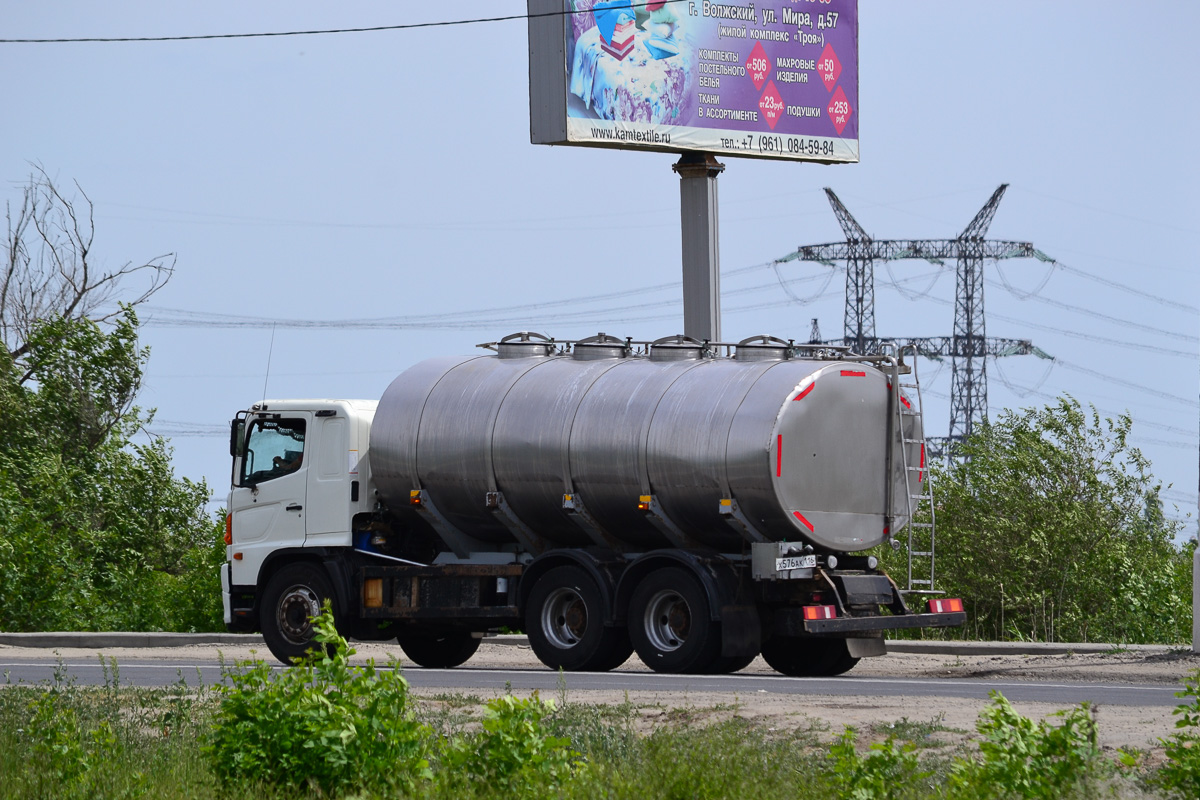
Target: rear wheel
{"x":564,"y":619}
{"x":670,"y":623}
{"x":441,"y":650}
{"x":800,"y":656}
{"x":292,"y":597}
{"x":724,"y":665}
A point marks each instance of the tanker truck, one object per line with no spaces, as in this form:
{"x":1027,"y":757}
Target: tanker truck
{"x":697,"y":503}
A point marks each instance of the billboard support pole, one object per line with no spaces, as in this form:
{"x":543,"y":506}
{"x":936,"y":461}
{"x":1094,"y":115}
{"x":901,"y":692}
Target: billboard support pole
{"x":701,"y":247}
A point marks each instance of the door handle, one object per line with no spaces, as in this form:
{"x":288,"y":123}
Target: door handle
{"x":294,"y":507}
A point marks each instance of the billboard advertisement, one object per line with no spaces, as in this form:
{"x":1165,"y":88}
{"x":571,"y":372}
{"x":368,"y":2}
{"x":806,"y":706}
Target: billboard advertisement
{"x":764,"y":79}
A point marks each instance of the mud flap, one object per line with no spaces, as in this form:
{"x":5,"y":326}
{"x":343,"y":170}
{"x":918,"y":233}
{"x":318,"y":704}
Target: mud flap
{"x":741,"y":631}
{"x":866,"y":647}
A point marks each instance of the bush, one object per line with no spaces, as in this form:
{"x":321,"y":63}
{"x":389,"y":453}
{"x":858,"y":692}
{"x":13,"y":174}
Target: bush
{"x":1022,"y":758}
{"x":1181,"y":773}
{"x":322,"y":724}
{"x":890,"y":771}
{"x":514,"y":755}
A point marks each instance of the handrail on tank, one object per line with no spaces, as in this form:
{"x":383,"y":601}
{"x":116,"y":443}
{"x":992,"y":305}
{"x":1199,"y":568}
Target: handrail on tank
{"x":708,"y":348}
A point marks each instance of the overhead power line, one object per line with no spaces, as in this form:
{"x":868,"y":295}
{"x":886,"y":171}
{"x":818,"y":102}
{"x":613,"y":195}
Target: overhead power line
{"x":319,"y":32}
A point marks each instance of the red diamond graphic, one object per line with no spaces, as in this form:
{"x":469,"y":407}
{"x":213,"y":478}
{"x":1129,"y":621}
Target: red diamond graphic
{"x":758,"y":66}
{"x":771,"y":105}
{"x":839,"y":111}
{"x":829,"y":67}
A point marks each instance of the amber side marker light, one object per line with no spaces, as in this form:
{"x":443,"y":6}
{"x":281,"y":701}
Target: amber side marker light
{"x":644,"y":502}
{"x":229,"y":529}
{"x":947,"y":606}
{"x":820,"y":612}
{"x":373,"y":593}
{"x":414,"y":497}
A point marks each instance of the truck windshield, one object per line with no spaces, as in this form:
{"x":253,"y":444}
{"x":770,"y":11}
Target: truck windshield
{"x":274,"y":448}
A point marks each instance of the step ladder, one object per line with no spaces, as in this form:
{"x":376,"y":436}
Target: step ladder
{"x":918,"y":486}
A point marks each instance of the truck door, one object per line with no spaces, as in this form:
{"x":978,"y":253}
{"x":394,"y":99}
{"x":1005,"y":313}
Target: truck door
{"x":270,"y":493}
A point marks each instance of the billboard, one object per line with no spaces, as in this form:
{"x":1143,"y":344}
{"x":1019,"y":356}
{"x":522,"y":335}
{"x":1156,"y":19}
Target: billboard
{"x":767,"y":79}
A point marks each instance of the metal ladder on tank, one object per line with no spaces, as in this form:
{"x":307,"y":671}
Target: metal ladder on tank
{"x":919,"y":503}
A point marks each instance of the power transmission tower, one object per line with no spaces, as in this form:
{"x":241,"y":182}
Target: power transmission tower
{"x":814,"y":333}
{"x":969,"y":346}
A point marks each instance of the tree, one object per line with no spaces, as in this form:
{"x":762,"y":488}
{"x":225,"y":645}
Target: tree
{"x":49,"y":269}
{"x":1051,"y":527}
{"x":96,"y":531}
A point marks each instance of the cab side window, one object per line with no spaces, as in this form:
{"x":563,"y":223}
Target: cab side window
{"x":274,"y":448}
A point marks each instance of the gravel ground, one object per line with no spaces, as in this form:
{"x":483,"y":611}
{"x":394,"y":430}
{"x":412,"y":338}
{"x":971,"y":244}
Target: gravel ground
{"x":952,"y":720}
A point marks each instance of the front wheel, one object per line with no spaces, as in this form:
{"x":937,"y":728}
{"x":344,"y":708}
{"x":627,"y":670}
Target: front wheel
{"x":441,"y":650}
{"x":670,"y":623}
{"x":564,"y":619}
{"x":799,"y":656}
{"x":292,"y":597}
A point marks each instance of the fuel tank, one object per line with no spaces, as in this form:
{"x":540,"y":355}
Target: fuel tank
{"x":663,"y":444}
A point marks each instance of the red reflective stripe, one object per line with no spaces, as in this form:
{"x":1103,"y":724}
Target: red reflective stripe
{"x":850,"y":373}
{"x":807,"y":389}
{"x":921,"y":471}
{"x":779,"y":456}
{"x":904,"y":400}
{"x":804,"y":521}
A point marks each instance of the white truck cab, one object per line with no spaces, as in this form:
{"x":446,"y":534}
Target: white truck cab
{"x":300,"y":474}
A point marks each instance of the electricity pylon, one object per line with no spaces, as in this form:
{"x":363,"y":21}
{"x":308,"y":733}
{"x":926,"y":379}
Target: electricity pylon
{"x":969,"y":346}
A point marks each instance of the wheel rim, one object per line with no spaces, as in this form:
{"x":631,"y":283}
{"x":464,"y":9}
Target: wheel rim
{"x":297,"y":606}
{"x":564,"y":618}
{"x":667,"y":621}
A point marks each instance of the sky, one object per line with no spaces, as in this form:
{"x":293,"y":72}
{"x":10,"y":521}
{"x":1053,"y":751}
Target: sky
{"x":389,"y":176}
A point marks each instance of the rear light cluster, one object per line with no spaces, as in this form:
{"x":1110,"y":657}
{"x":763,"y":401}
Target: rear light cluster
{"x":820,"y":612}
{"x":948,"y":606}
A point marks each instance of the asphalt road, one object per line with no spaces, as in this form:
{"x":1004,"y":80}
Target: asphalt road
{"x":481,"y":680}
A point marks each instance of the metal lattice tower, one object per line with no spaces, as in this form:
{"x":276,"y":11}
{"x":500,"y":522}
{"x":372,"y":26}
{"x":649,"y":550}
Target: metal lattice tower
{"x":968,"y":347}
{"x":814,"y":333}
{"x":859,"y":321}
{"x":968,"y":384}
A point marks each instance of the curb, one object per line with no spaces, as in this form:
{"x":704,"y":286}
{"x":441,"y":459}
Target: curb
{"x":130,"y":639}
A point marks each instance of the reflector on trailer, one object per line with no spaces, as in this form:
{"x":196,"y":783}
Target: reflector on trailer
{"x":414,"y":497}
{"x":820,"y":612}
{"x":947,"y":606}
{"x":644,"y":502}
{"x":373,"y":593}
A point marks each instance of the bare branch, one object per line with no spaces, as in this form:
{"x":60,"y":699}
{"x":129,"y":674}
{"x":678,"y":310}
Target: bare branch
{"x":47,"y":268}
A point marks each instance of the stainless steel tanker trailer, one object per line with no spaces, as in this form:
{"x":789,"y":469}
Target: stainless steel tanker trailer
{"x":698,"y":503}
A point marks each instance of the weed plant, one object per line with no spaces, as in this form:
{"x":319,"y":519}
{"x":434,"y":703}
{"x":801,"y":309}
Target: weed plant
{"x":325,"y":729}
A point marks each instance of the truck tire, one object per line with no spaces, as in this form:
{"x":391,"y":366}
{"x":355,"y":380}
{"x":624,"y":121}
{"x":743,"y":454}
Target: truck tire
{"x":292,"y":597}
{"x":564,"y":619}
{"x":725,"y":665}
{"x":441,"y":650}
{"x":801,"y":657}
{"x":670,"y":624}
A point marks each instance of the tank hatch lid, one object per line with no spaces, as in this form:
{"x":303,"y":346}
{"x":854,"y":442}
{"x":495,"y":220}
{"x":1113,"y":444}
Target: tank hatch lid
{"x":601,"y":346}
{"x":524,"y":344}
{"x":763,"y":348}
{"x":677,"y":348}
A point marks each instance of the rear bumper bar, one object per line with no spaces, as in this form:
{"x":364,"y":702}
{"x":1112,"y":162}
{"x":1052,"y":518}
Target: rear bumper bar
{"x":861,"y":624}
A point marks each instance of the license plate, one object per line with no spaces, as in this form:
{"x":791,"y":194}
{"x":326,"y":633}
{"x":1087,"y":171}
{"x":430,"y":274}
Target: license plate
{"x":795,"y":562}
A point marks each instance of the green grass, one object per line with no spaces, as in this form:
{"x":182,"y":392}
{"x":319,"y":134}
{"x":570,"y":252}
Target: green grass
{"x":63,"y":741}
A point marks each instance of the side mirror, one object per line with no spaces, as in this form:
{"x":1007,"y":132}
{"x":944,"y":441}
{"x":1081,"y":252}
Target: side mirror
{"x":237,"y":436}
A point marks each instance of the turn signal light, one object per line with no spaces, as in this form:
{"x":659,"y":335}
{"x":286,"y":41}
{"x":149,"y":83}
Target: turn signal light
{"x":229,"y":529}
{"x":947,"y":606}
{"x":820,"y":612}
{"x":414,"y":497}
{"x":644,"y":503}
